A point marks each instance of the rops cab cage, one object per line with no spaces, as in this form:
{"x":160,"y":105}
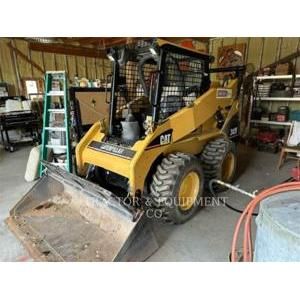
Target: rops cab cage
{"x":154,"y":80}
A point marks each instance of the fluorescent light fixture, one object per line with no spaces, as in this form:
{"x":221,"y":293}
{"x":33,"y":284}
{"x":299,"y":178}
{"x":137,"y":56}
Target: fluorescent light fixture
{"x":153,"y":51}
{"x":112,"y":54}
{"x":110,"y":57}
{"x":43,"y":40}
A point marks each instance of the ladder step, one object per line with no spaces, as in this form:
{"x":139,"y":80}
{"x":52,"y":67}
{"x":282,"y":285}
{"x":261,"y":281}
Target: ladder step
{"x":56,"y":85}
{"x":56,"y":146}
{"x":58,"y":164}
{"x":56,"y":72}
{"x":57,"y":110}
{"x":56,"y":93}
{"x":55,"y":128}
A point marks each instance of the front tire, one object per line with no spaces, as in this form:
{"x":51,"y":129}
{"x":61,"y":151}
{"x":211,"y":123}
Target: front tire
{"x":177,"y":187}
{"x":96,"y":175}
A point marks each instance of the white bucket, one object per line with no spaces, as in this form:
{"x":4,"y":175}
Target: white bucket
{"x":32,"y":167}
{"x":57,"y":142}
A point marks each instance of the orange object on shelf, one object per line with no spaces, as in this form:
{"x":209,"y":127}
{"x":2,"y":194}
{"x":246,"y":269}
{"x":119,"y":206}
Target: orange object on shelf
{"x":296,"y":173}
{"x":187,"y":44}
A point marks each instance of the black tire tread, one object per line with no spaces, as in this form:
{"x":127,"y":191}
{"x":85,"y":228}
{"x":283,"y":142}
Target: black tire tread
{"x":212,"y":157}
{"x":164,"y":181}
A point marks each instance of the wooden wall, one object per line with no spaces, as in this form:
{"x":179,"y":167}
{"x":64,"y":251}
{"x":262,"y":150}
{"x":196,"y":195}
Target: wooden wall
{"x":12,"y":73}
{"x":260,"y":51}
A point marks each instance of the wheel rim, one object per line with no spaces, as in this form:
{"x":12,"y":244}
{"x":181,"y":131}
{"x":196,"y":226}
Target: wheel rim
{"x":188,"y":191}
{"x":228,"y":166}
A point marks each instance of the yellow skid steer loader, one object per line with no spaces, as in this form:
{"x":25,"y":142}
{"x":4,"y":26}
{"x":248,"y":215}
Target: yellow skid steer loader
{"x":169,"y":132}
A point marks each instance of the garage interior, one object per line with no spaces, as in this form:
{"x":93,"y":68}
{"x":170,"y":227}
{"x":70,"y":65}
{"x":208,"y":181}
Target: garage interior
{"x":264,"y":134}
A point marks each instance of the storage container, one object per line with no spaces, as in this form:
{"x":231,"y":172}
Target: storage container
{"x":278,"y":228}
{"x":295,"y":115}
{"x":281,"y":117}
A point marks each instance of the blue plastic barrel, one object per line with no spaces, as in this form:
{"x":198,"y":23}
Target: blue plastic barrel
{"x":295,"y":115}
{"x":278,"y":228}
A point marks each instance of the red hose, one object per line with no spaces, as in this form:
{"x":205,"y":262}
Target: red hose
{"x":246,"y":217}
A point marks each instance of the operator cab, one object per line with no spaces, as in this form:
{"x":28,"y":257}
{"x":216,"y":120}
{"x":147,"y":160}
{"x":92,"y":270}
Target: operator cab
{"x":151,"y":81}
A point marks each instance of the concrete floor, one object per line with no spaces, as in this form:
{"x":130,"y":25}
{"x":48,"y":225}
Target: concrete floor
{"x":206,"y":237}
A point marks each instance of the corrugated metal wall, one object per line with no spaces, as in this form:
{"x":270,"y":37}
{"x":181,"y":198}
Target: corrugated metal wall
{"x":88,"y":67}
{"x":259,"y":51}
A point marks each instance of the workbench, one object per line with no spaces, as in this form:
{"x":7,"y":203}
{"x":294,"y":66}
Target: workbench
{"x":18,"y":120}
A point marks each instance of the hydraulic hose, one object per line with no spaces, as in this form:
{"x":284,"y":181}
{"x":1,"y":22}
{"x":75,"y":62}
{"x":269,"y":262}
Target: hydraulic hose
{"x":232,"y":187}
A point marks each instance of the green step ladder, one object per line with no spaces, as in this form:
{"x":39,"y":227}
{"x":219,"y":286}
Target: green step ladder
{"x":61,"y":91}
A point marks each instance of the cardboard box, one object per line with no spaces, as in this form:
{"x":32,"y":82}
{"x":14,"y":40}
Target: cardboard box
{"x":92,"y":106}
{"x":282,"y":69}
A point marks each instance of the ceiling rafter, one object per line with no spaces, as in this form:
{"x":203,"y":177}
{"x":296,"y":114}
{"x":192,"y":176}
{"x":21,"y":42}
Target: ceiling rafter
{"x":93,"y":46}
{"x":67,"y":49}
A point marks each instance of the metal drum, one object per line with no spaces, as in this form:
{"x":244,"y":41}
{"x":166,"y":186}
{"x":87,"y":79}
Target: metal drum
{"x":278,"y":228}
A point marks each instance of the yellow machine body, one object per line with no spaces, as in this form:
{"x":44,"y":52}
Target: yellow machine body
{"x":192,"y":127}
{"x":51,"y":217}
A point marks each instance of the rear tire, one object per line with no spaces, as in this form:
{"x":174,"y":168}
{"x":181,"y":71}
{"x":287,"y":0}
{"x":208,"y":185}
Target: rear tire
{"x":219,"y":161}
{"x":177,"y":187}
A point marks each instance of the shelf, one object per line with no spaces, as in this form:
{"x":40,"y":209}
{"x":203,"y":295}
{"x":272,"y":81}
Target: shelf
{"x":271,"y":122}
{"x":279,"y":98}
{"x":57,"y":110}
{"x":276,"y":77}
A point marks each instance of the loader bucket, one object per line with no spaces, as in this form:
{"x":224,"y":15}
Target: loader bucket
{"x":66,"y":218}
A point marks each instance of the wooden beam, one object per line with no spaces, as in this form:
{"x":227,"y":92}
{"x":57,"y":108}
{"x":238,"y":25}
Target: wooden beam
{"x":15,"y":66}
{"x":76,"y":67}
{"x":280,"y":48}
{"x":67,"y":49}
{"x":110,"y":42}
{"x":261,"y":52}
{"x":66,"y":64}
{"x":23,"y":56}
{"x":277,"y":55}
{"x":1,"y":73}
{"x":283,"y":60}
{"x":247,"y":50}
{"x":179,"y":39}
{"x":43,"y":61}
{"x":86,"y":68}
{"x":103,"y":70}
{"x":297,"y":50}
{"x":95,"y":63}
{"x":55,"y":62}
{"x":80,"y":43}
{"x":104,"y":42}
{"x":31,"y":66}
{"x":80,"y":40}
